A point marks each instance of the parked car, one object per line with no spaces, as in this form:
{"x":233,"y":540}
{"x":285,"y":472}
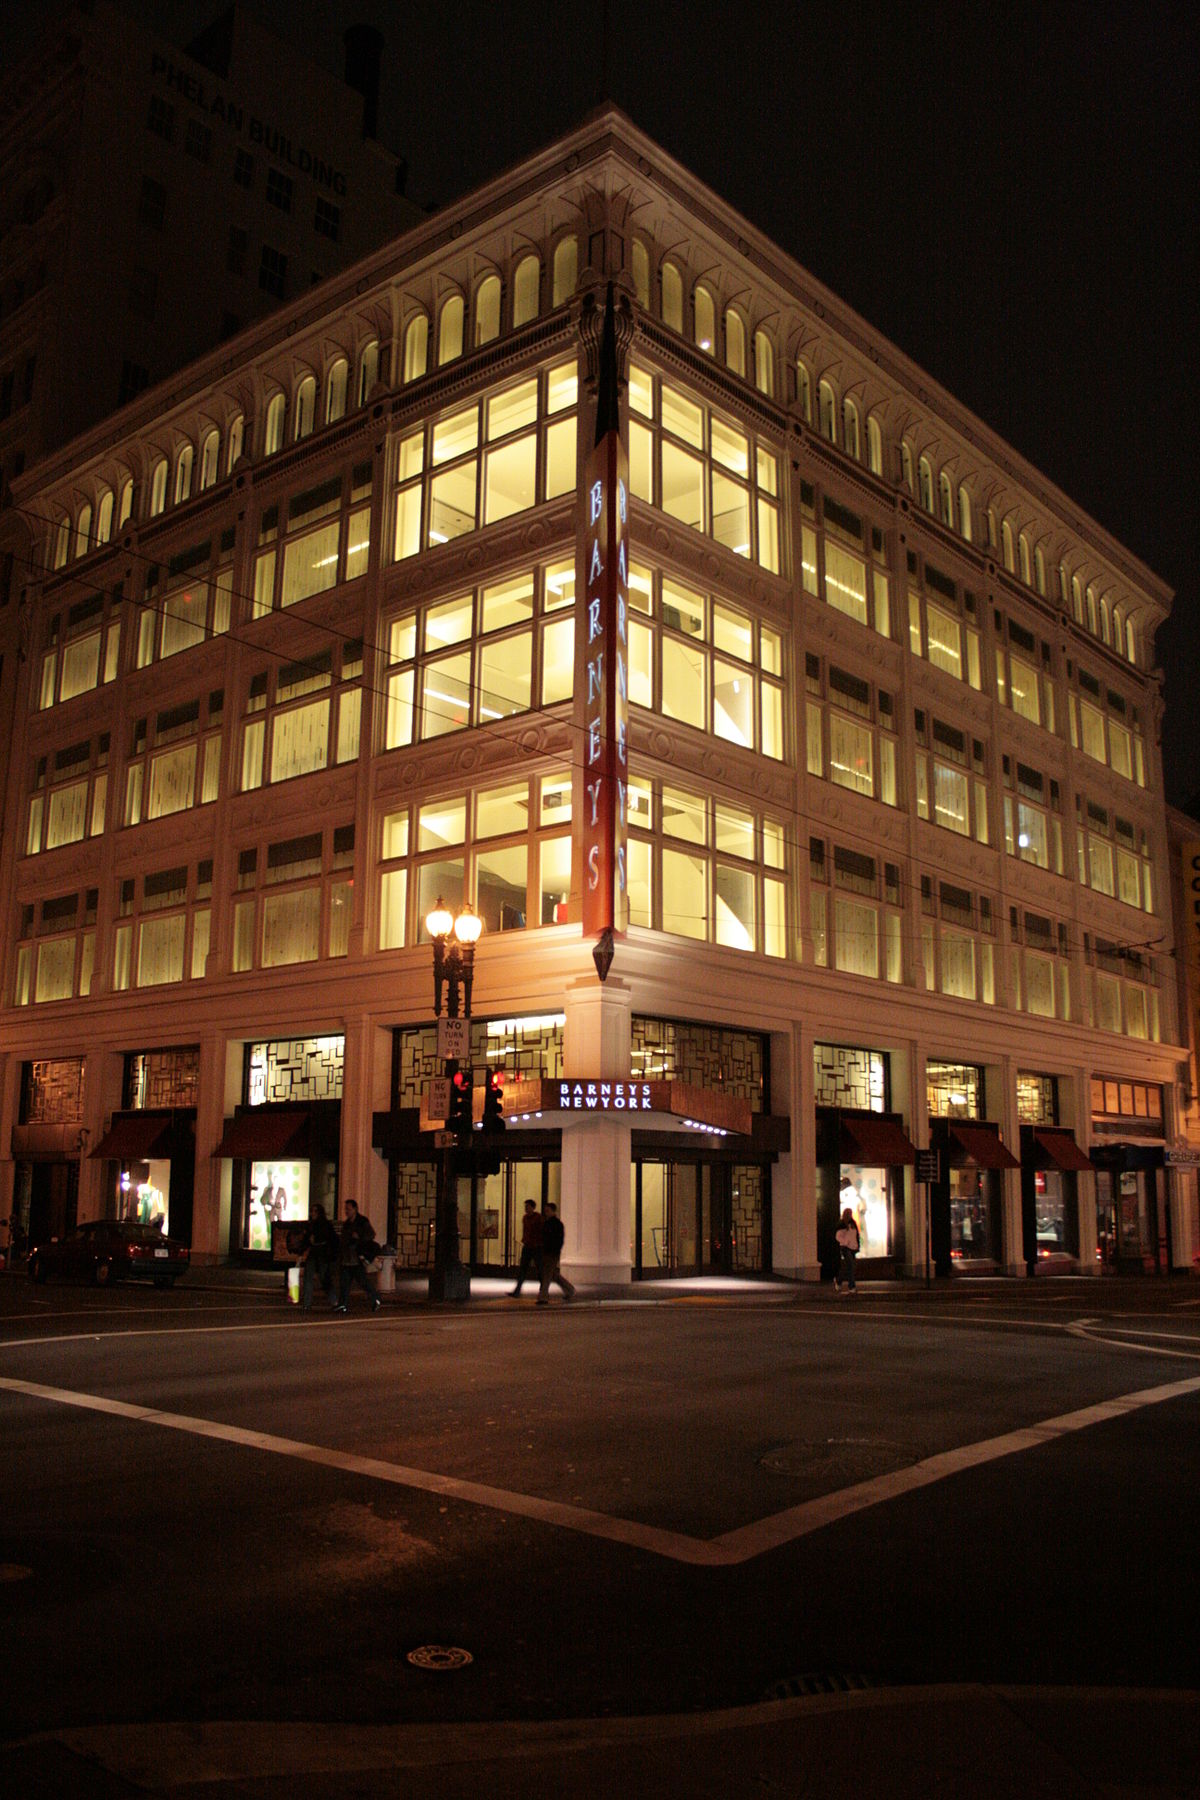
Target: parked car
{"x":107,"y":1250}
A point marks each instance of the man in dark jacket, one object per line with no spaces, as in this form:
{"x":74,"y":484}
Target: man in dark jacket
{"x":553,"y":1237}
{"x":358,"y":1241}
{"x":531,"y":1245}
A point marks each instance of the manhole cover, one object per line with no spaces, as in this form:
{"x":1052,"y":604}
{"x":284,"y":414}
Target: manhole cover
{"x":440,"y":1656}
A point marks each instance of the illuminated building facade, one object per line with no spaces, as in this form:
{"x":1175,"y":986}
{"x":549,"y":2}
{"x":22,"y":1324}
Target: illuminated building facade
{"x":895,"y":853}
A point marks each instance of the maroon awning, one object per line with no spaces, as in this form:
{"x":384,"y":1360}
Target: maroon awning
{"x":1055,"y":1148}
{"x":875,"y":1143}
{"x":977,"y":1145}
{"x":258,"y":1133}
{"x":134,"y":1137}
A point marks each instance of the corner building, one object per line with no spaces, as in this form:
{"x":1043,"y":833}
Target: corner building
{"x":897,"y":843}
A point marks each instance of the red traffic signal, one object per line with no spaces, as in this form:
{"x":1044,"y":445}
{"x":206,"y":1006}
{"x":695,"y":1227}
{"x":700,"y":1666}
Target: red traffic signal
{"x":493,"y":1101}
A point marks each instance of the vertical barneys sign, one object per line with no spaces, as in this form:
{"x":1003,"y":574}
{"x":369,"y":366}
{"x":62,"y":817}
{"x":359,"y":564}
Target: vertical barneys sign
{"x":605,"y":738}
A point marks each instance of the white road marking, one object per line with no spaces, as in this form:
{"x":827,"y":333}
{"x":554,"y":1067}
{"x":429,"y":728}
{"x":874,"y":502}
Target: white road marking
{"x":730,"y":1548}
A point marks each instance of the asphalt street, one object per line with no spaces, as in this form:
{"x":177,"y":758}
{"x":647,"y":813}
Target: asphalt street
{"x":780,"y":1510}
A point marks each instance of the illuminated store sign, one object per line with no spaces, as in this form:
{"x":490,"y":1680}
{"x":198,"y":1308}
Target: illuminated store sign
{"x":605,"y":745}
{"x":605,"y":1096}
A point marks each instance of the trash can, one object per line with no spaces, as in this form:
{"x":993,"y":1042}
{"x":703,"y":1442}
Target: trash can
{"x":387,"y":1270}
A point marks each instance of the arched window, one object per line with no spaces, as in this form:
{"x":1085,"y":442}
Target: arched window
{"x":1093,"y":620}
{"x":705,"y":320}
{"x":1130,"y":641}
{"x":104,"y":517}
{"x":183,"y":474}
{"x":964,"y":514}
{"x":1118,"y":631}
{"x":1077,"y":599}
{"x":991,"y":528}
{"x":1006,"y":547}
{"x":62,"y":540}
{"x":874,"y":445}
{"x":764,"y":363}
{"x":273,"y":439}
{"x":828,"y":412}
{"x":487,"y":310}
{"x":735,"y":342}
{"x":83,"y":530}
{"x":210,"y":458}
{"x":566,"y":270}
{"x":336,"y":383}
{"x":946,"y":499}
{"x":1064,"y":592}
{"x":1026,"y":566}
{"x":450,"y":330}
{"x":804,"y":392}
{"x":158,"y":488}
{"x":304,"y":408}
{"x":850,"y":440}
{"x":125,"y":509}
{"x":416,"y":347}
{"x":368,"y":363}
{"x":234,"y":441}
{"x":526,"y":283}
{"x":641,"y":273}
{"x":906,"y":465}
{"x":1039,"y":571}
{"x":672,"y":297}
{"x":925,"y":477}
{"x":1105,"y":622}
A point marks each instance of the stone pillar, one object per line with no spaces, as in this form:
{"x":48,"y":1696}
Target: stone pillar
{"x":1012,"y":1242}
{"x":219,"y":1093}
{"x":596,"y":1146}
{"x":793,"y":1190}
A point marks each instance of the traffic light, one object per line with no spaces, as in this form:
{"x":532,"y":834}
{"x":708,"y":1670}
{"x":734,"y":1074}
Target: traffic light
{"x":493,"y":1101}
{"x":460,"y":1121}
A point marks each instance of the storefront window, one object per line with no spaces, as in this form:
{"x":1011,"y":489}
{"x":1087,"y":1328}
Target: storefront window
{"x":278,"y":1193}
{"x":866,"y":1193}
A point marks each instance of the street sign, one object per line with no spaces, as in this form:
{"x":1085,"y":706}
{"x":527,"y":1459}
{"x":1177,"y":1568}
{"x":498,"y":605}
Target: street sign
{"x":439,"y":1097}
{"x":444,"y":1140}
{"x":927,"y":1165}
{"x":453,"y":1039}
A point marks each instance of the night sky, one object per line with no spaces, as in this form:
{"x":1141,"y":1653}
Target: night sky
{"x":1009,"y":193}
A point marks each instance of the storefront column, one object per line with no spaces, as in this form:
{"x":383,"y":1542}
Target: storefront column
{"x":1075,"y":1111}
{"x":220,"y":1092}
{"x":793,"y":1187}
{"x":103,"y":1080}
{"x":596,"y":1157}
{"x":366,"y":1079}
{"x":1002,"y":1082}
{"x":910,"y":1098}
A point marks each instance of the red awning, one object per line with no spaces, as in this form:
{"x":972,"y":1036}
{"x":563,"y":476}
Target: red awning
{"x":875,"y":1143}
{"x":134,"y":1137}
{"x":977,"y":1145}
{"x":259,"y":1132}
{"x":1057,"y":1149}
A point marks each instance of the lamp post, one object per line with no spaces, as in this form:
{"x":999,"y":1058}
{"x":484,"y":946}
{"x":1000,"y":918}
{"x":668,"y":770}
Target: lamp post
{"x":454,"y":938}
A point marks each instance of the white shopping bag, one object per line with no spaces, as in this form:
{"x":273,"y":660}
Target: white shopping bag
{"x":293,"y":1275}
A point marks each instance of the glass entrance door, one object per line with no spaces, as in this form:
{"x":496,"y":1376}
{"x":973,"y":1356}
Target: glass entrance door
{"x":667,"y":1227}
{"x":499,"y":1202}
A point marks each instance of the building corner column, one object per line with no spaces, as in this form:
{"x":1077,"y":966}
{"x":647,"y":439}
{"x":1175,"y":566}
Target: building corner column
{"x":596,"y":1146}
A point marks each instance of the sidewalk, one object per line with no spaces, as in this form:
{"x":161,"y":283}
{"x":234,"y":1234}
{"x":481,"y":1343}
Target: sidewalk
{"x":977,"y":1743}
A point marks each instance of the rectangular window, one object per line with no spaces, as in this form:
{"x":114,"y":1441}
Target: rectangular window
{"x":279,"y":190}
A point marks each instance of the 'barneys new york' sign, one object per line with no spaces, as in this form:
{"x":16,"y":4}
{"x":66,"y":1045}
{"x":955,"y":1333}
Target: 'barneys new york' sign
{"x":605,"y":749}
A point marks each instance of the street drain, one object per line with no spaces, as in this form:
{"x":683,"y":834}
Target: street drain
{"x":439,"y":1656}
{"x":801,"y":1687}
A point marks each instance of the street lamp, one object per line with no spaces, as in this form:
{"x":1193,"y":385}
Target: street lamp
{"x":454,"y":937}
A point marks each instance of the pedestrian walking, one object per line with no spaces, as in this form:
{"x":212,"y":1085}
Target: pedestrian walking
{"x":357,"y":1244}
{"x":531,"y":1246}
{"x":318,"y":1256}
{"x":553,"y":1237}
{"x":848,"y":1242}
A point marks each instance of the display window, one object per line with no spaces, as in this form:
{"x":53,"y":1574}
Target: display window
{"x":867,"y":1193}
{"x":972,"y":1217}
{"x":1050,"y":1203}
{"x":144,"y":1193}
{"x":278,"y":1194}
